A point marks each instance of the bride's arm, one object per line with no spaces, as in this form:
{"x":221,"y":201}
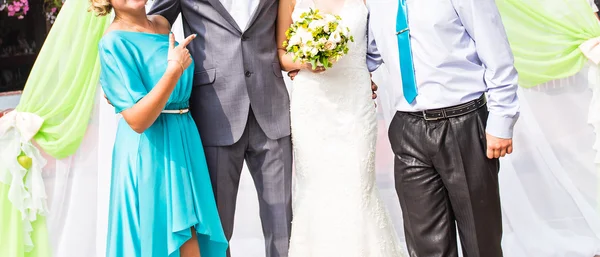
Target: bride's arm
{"x":284,"y":21}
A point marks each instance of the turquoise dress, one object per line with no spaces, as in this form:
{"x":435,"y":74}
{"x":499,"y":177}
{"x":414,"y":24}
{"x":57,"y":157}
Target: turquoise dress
{"x":160,"y":186}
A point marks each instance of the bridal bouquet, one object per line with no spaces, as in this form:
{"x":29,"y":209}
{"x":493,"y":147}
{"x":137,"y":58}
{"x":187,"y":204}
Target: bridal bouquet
{"x":317,"y":39}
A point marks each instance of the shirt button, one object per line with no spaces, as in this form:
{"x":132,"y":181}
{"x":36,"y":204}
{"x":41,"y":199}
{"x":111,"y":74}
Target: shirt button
{"x":248,"y":74}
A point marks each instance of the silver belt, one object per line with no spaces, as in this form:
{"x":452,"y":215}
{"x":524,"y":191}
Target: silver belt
{"x":180,"y":111}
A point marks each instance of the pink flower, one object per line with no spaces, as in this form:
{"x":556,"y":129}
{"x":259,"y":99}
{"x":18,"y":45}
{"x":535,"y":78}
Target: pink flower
{"x":26,"y":8}
{"x":20,"y":17}
{"x":16,"y":9}
{"x":11,"y":13}
{"x":10,"y":9}
{"x":53,"y":10}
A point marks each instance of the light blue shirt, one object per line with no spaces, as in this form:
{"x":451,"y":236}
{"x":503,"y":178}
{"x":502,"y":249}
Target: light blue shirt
{"x":460,"y":51}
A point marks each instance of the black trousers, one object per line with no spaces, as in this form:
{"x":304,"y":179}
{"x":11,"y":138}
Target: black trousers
{"x":444,"y":180}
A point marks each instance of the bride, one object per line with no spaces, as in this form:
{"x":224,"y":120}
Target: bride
{"x":337,"y":208}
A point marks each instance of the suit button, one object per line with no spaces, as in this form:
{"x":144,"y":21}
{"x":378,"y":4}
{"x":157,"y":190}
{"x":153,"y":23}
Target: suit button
{"x":248,"y":74}
{"x":244,"y":38}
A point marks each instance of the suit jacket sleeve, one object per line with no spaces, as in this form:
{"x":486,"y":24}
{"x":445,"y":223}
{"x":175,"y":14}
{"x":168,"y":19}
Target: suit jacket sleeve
{"x":169,"y":9}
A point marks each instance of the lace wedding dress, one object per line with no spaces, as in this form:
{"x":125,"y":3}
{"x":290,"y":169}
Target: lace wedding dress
{"x":337,"y":208}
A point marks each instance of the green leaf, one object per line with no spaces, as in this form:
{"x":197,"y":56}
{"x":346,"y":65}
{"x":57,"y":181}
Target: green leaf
{"x":325,"y":62}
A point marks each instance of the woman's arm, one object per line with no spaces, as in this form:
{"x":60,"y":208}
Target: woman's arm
{"x":284,"y":21}
{"x":169,"y":9}
{"x":143,"y":114}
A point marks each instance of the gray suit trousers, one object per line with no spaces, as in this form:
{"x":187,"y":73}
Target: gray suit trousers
{"x":270,"y":164}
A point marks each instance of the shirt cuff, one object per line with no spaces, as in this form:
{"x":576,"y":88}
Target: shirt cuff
{"x":500,"y":126}
{"x":373,"y":64}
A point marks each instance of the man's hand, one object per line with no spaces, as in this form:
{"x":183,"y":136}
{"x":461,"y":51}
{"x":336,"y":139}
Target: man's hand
{"x":374,"y":88}
{"x":108,"y":101}
{"x":292,"y":74}
{"x":498,"y":147}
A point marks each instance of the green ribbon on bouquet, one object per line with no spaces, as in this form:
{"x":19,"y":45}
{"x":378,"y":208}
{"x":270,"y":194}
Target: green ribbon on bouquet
{"x":545,"y":37}
{"x":62,"y":84}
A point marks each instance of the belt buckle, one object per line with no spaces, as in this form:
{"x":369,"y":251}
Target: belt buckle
{"x":434,"y":119}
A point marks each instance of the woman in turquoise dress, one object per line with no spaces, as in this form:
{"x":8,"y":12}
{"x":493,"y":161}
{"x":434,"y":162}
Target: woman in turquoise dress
{"x":161,"y":201}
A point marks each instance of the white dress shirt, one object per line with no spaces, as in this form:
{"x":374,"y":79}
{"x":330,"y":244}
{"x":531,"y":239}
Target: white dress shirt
{"x":460,"y":51}
{"x":240,"y":10}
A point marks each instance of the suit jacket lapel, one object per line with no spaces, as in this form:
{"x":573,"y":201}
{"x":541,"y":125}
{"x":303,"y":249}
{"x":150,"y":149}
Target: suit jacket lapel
{"x":221,"y":9}
{"x":261,"y":5}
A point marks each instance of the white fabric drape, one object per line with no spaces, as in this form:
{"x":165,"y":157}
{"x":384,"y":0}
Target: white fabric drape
{"x":549,"y":185}
{"x":77,"y":192}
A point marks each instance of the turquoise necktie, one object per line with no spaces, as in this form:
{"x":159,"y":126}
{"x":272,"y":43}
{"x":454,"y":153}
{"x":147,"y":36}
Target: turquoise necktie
{"x":409,"y":85}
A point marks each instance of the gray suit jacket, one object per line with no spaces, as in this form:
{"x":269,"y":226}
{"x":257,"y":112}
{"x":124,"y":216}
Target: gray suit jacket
{"x":235,"y":70}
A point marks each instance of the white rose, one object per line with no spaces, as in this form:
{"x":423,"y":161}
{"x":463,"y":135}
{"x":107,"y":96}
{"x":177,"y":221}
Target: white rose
{"x":322,"y":41}
{"x":295,"y":40}
{"x":314,"y":51}
{"x":335,"y":37}
{"x":305,"y":49}
{"x":340,"y":29}
{"x":304,"y":35}
{"x":316,"y":24}
{"x":330,"y":45}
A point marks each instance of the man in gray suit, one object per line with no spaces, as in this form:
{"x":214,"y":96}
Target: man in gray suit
{"x":241,"y":106}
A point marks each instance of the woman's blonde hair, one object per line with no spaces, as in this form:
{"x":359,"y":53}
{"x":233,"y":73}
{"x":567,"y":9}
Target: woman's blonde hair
{"x":100,"y":7}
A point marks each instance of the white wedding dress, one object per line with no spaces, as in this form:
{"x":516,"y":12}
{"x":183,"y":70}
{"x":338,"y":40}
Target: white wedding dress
{"x":337,"y":208}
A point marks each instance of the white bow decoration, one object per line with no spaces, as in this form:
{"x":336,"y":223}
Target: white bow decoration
{"x":26,"y":192}
{"x":591,"y":49}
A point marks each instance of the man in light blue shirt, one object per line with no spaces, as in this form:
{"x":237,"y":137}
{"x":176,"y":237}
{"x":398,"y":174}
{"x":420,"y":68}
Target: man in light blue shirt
{"x":446,"y":142}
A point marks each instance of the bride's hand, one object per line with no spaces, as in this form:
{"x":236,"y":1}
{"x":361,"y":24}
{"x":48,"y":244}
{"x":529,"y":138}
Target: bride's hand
{"x":318,"y":69}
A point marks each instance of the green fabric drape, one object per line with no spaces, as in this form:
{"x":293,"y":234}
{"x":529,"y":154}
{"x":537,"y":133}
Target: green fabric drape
{"x":545,"y":36}
{"x":16,"y":239}
{"x":62,"y":84}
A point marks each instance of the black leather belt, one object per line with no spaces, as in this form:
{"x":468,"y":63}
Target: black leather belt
{"x":453,"y":111}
